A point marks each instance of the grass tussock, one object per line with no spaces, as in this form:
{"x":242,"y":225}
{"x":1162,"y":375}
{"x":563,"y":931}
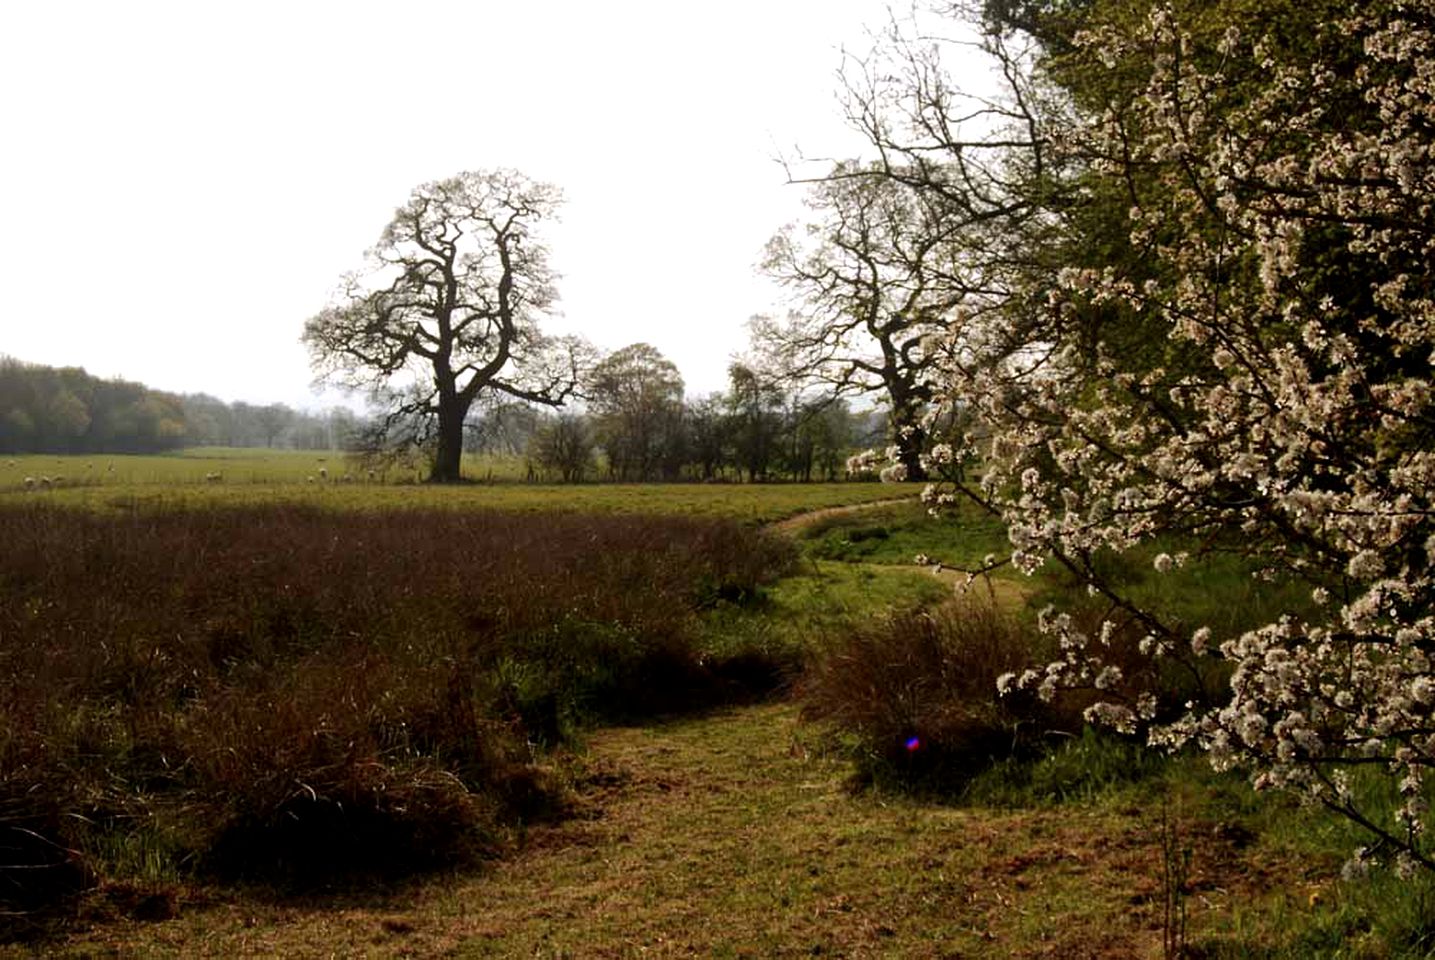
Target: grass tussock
{"x":915,"y":695}
{"x":296,"y":694}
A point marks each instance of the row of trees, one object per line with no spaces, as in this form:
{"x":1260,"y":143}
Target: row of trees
{"x":66,"y":410}
{"x":1178,"y":273}
{"x":212,"y":422}
{"x":639,"y":427}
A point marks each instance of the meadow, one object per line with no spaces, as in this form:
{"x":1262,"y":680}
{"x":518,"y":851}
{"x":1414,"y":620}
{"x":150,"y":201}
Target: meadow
{"x":245,"y":476}
{"x":266,"y":716}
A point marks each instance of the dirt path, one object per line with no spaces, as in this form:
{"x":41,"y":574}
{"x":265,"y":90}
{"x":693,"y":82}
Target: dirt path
{"x":794,"y":524}
{"x":733,"y":836}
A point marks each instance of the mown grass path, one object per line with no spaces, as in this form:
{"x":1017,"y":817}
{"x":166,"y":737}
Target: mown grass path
{"x":795,"y":523}
{"x":730,"y":835}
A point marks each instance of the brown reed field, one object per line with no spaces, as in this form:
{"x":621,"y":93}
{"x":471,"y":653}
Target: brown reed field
{"x":297,"y":694}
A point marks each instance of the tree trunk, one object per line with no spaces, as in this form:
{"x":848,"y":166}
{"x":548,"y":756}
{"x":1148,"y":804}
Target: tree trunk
{"x":448,"y":459}
{"x":910,"y":438}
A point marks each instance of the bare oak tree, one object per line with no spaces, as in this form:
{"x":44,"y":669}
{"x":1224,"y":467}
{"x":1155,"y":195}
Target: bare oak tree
{"x":447,"y":308}
{"x":872,"y":279}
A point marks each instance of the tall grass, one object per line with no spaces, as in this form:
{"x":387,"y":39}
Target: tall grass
{"x":916,"y":694}
{"x":300,"y":694}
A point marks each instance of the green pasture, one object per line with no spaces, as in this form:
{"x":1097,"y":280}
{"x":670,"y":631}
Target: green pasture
{"x":233,"y":465}
{"x":960,"y":537}
{"x":213,"y":476}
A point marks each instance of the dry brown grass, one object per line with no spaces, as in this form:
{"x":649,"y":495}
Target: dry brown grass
{"x":306,"y":695}
{"x":916,"y":693}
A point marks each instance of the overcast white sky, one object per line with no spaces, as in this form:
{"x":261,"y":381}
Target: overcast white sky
{"x":182,"y":184}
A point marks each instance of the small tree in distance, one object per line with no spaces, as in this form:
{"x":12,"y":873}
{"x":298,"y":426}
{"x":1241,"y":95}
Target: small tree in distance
{"x":636,"y":395}
{"x":447,"y":308}
{"x":563,"y":445}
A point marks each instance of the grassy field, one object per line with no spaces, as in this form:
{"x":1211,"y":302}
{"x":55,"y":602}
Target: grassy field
{"x":235,"y":465}
{"x":629,"y":797}
{"x":249,"y":477}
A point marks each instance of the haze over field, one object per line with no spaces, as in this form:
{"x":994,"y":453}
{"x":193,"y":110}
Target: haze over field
{"x":185,"y":185}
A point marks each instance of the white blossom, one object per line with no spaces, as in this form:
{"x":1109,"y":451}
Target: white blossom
{"x":894,"y":473}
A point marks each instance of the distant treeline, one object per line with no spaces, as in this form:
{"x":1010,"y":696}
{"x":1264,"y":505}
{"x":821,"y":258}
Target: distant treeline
{"x":727,"y":436}
{"x":66,"y":410}
{"x":750,"y":432}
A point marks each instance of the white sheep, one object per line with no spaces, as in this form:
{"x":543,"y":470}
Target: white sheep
{"x":213,"y":477}
{"x":29,"y":483}
{"x":323,"y":473}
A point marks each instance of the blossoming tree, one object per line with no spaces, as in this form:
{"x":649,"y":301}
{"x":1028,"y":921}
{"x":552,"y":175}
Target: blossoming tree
{"x":1280,"y":204}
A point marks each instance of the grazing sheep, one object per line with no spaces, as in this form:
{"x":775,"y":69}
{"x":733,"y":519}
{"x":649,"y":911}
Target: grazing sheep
{"x":213,"y":477}
{"x":309,"y":479}
{"x":57,"y":478}
{"x":29,"y":483}
{"x":323,"y":473}
{"x":45,"y":481}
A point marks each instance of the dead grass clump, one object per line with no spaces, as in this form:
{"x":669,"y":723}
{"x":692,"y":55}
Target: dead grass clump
{"x":320,"y":774}
{"x":916,"y":696}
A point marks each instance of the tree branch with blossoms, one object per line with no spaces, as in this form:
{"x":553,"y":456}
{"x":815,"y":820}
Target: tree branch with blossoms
{"x":1227,"y":344}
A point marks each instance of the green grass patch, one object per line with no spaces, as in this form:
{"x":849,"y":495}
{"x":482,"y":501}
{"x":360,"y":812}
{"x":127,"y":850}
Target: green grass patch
{"x":1081,"y":767}
{"x":818,"y":600}
{"x":897,"y":533}
{"x":234,"y":465}
{"x":256,"y":478}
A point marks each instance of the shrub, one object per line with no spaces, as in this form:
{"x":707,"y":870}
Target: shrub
{"x":917,"y":694}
